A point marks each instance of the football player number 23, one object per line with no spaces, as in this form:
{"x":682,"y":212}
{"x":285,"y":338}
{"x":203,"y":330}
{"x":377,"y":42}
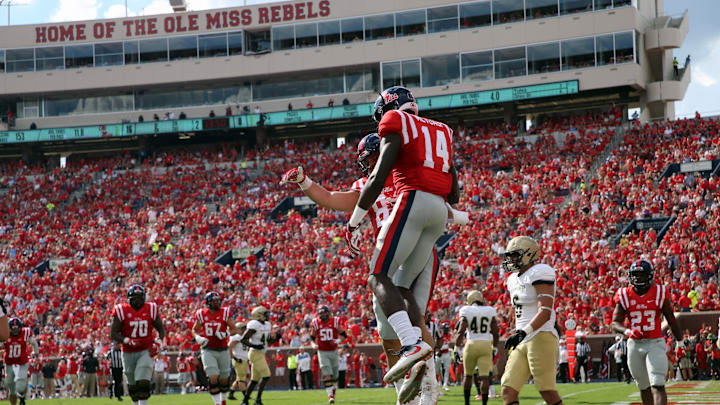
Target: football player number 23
{"x":441,"y":150}
{"x":636,"y":318}
{"x":326,"y":335}
{"x":14,"y":351}
{"x":140,"y":329}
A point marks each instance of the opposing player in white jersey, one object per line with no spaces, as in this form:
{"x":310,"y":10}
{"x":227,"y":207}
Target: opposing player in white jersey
{"x":477,"y":320}
{"x":534,"y":344}
{"x":256,"y":336}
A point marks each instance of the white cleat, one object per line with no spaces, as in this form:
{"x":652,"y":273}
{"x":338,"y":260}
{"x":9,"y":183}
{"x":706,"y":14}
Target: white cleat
{"x":409,"y":355}
{"x":413,"y":382}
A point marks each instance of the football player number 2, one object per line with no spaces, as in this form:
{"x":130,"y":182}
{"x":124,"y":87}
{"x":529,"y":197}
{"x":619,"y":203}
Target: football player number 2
{"x":636,"y":318}
{"x":14,"y":351}
{"x":441,"y":149}
{"x":326,"y":335}
{"x":140,"y":329}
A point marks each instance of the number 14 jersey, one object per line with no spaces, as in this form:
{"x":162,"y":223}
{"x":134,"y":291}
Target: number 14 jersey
{"x":478,"y":321}
{"x":644,"y":311}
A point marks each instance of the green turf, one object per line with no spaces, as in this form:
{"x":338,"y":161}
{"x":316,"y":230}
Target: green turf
{"x":573,"y":394}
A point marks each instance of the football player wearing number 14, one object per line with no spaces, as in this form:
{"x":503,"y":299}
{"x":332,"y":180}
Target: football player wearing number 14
{"x":644,"y":303}
{"x":213,"y":325}
{"x":417,"y":152}
{"x":132,"y":326}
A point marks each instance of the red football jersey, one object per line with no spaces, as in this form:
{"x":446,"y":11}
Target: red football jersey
{"x":16,"y":347}
{"x":137,"y":325}
{"x":182,"y":366}
{"x":644,"y":311}
{"x":425,"y":156}
{"x":213,"y":322}
{"x":383,"y":206}
{"x":327,"y":332}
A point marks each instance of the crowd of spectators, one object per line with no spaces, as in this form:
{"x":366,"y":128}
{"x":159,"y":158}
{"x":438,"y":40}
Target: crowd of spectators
{"x":162,"y":221}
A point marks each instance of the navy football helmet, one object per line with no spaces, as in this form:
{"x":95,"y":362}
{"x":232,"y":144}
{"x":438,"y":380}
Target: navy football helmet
{"x":213,"y":300}
{"x":641,"y":274}
{"x":16,"y":326}
{"x":394,"y":98}
{"x":136,"y":296}
{"x":323,"y":313}
{"x":367,"y":147}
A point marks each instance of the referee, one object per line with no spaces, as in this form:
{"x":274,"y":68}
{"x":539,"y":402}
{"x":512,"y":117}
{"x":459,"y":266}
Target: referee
{"x":582,"y":351}
{"x":116,"y":367}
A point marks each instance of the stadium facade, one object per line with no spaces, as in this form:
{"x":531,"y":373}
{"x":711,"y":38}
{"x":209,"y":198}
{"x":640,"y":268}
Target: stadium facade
{"x":496,"y":58}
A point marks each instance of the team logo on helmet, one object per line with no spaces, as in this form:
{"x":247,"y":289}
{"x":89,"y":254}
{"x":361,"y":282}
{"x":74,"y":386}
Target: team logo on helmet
{"x":388,"y":97}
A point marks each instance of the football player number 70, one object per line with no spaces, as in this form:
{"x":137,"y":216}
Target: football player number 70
{"x":441,"y":149}
{"x":636,"y":318}
{"x":140,"y":329}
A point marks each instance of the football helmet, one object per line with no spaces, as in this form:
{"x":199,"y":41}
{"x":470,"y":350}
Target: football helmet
{"x":16,"y":326}
{"x":323,"y":313}
{"x":641,"y":274}
{"x":136,"y":296}
{"x":394,"y":98}
{"x":367,"y":147}
{"x":521,"y":253}
{"x":260,"y":314}
{"x":213,"y":300}
{"x":475,"y":296}
{"x":445,"y":327}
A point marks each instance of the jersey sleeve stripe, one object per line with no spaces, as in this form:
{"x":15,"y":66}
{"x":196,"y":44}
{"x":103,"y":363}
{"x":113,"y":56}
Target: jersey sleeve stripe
{"x":153,"y":310}
{"x":413,"y":127}
{"x":119,"y":312}
{"x":403,"y":120}
{"x":623,"y":299}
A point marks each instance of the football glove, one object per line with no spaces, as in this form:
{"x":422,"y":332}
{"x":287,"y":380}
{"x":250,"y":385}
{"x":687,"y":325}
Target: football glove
{"x":203,"y":341}
{"x":633,"y":334}
{"x":131,"y":342}
{"x":457,"y":217}
{"x":456,"y":357}
{"x":221,"y":335}
{"x":297,"y":176}
{"x":515,"y":339}
{"x":352,"y":237}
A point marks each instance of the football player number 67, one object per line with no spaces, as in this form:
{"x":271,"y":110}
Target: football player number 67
{"x":636,"y":318}
{"x":441,"y":149}
{"x":140,"y":329}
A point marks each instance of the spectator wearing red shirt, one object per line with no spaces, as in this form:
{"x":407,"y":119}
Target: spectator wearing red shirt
{"x":684,"y":303}
{"x":356,"y":368}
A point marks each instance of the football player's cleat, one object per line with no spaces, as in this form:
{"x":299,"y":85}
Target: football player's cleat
{"x":367,"y":147}
{"x":409,"y":355}
{"x":412,"y":383}
{"x":258,"y":401}
{"x":394,"y":98}
{"x":521,"y":253}
{"x":352,"y":238}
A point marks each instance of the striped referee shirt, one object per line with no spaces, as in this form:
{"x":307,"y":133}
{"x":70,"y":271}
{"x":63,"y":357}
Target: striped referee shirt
{"x":115,"y":357}
{"x":582,"y":349}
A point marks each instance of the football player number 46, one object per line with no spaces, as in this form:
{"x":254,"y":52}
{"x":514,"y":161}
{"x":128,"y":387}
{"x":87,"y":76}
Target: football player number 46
{"x":636,"y":319}
{"x":140,"y":329}
{"x":441,"y":150}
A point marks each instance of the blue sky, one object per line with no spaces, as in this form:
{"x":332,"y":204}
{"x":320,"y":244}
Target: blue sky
{"x":702,"y":42}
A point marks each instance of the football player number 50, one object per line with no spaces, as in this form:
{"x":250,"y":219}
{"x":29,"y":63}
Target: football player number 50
{"x":441,"y":149}
{"x":636,"y":318}
{"x":140,"y":329}
{"x":326,"y":335}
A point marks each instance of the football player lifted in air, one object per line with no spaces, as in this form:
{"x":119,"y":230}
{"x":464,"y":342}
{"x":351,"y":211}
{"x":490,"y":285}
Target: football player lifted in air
{"x":644,"y":303}
{"x":16,"y":360}
{"x":256,"y":336}
{"x":534,"y":344}
{"x":326,"y":331}
{"x":132,"y":326}
{"x":477,"y":320}
{"x":417,"y":152}
{"x":213,"y":325}
{"x":420,"y":288}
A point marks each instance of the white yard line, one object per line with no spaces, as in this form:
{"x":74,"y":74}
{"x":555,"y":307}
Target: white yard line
{"x":580,"y":392}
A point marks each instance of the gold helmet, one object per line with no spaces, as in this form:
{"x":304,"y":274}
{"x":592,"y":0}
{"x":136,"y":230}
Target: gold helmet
{"x":259,"y":314}
{"x":475,"y":296}
{"x":521,"y":252}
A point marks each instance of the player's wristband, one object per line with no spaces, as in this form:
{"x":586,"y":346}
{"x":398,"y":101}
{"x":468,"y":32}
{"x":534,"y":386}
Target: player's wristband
{"x":357,"y":216}
{"x":199,"y":339}
{"x":305,"y":184}
{"x":528,"y":329}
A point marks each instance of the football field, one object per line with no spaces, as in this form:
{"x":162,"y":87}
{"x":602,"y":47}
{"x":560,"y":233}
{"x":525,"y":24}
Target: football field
{"x":695,"y":392}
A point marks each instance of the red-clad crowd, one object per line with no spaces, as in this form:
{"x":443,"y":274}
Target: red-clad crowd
{"x":162,"y":221}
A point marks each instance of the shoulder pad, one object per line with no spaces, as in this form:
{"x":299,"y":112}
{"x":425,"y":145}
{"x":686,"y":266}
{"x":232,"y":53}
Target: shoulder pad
{"x":541,"y":272}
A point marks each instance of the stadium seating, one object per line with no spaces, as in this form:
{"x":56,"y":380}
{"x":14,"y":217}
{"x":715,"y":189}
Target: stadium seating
{"x":162,"y":220}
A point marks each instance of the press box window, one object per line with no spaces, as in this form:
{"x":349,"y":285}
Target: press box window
{"x":540,"y":9}
{"x":49,"y":58}
{"x":508,"y":11}
{"x":475,"y":14}
{"x":132,"y":52}
{"x":440,"y":70}
{"x":108,"y":53}
{"x":283,"y":37}
{"x":306,"y":35}
{"x":352,"y":29}
{"x":477,"y":66}
{"x":379,"y":27}
{"x":183,"y":47}
{"x":442,"y":19}
{"x":20,"y":60}
{"x":329,"y":32}
{"x":410,"y":23}
{"x":578,"y":53}
{"x":153,"y":50}
{"x":543,"y":58}
{"x":509,"y":62}
{"x":79,"y":56}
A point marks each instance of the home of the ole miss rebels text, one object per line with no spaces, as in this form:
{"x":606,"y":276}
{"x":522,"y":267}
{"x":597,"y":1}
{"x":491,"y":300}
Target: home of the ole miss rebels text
{"x":186,"y":22}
